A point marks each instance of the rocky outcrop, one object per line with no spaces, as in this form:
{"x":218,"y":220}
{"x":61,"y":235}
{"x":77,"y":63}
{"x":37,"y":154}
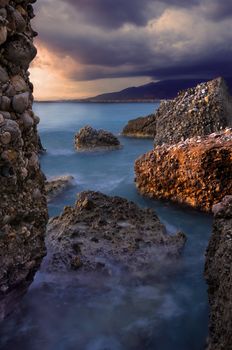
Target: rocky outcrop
{"x":89,"y":138}
{"x":57,"y":185}
{"x":196,"y":172}
{"x":144,"y":127}
{"x":218,"y":272}
{"x":198,"y":111}
{"x":100,"y":230}
{"x":23,"y":212}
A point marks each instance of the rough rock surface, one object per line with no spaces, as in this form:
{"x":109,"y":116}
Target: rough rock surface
{"x":218,"y":272}
{"x":197,"y":172}
{"x":198,"y":111}
{"x":141,"y":127}
{"x":23,"y":212}
{"x":195,"y":112}
{"x":89,"y":138}
{"x":100,"y":230}
{"x":57,"y":185}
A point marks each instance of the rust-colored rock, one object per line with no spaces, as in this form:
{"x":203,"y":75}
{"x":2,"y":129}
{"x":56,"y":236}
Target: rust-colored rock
{"x":218,"y":272}
{"x":196,"y":172}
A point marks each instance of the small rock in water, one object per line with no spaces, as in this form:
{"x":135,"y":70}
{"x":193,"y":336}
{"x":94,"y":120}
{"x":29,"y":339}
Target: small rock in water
{"x":88,"y":138}
{"x":57,"y":185}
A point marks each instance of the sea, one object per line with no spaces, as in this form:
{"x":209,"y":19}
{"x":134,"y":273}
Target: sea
{"x":165,"y":308}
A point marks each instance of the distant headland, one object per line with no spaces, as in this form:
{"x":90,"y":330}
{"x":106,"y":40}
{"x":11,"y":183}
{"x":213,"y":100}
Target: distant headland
{"x":149,"y":93}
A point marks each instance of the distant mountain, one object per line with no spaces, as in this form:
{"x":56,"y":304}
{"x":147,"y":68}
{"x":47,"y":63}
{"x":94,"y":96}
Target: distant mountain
{"x":166,"y":89}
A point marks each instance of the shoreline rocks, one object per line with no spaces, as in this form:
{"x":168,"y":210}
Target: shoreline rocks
{"x":142,"y":127}
{"x":57,"y":185}
{"x":218,"y":272}
{"x":100,"y":231}
{"x":23,"y":208}
{"x":198,"y":111}
{"x":89,"y":138}
{"x":196,"y":172}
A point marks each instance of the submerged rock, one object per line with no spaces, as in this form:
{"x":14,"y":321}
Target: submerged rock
{"x":23,"y":208}
{"x":89,"y":138}
{"x":101,"y":230}
{"x":141,"y":127}
{"x":57,"y":185}
{"x":196,"y":172}
{"x":218,"y":272}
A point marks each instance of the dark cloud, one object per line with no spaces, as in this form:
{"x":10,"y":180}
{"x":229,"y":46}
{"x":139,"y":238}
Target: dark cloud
{"x":192,"y":40}
{"x":217,"y":9}
{"x":113,"y":14}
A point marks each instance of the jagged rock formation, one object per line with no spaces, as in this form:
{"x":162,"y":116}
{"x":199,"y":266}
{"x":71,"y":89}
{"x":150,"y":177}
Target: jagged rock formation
{"x":141,"y":127}
{"x":89,"y":138}
{"x":100,"y":230}
{"x":198,"y":111}
{"x":23,"y":212}
{"x":218,"y":272}
{"x":197,"y":172}
{"x":57,"y":185}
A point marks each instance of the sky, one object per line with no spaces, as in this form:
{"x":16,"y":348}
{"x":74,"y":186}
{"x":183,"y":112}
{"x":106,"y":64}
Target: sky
{"x":88,"y":47}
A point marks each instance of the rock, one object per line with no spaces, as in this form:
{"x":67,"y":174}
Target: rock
{"x":5,"y":103}
{"x":100,"y":231}
{"x":141,"y":127}
{"x":19,"y":84}
{"x":20,"y":102}
{"x":3,"y":75}
{"x":196,"y":172}
{"x":88,"y":138}
{"x":20,"y":51}
{"x":218,"y":272}
{"x":199,"y":111}
{"x":57,"y":185}
{"x":3,"y":34}
{"x":23,"y":205}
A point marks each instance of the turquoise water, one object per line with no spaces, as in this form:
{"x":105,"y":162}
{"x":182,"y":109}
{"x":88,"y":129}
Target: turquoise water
{"x":165,"y":308}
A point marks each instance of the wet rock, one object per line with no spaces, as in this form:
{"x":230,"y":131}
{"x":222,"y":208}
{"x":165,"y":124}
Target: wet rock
{"x":88,"y":138}
{"x":218,"y":272}
{"x":196,"y":172}
{"x":141,"y":127}
{"x":57,"y":185}
{"x":101,"y":230}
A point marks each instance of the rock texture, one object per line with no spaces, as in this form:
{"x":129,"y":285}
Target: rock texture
{"x":218,"y":273}
{"x":197,"y":172}
{"x":89,"y":138}
{"x":57,"y":185}
{"x":195,"y":112}
{"x":23,"y":212}
{"x":100,"y":230}
{"x":198,"y":111}
{"x":141,"y":127}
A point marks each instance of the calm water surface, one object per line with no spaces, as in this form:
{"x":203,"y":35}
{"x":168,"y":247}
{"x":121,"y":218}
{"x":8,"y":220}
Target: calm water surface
{"x":163,"y":309}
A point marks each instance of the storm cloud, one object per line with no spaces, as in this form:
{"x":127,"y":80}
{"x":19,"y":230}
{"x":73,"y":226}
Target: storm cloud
{"x":134,"y":38}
